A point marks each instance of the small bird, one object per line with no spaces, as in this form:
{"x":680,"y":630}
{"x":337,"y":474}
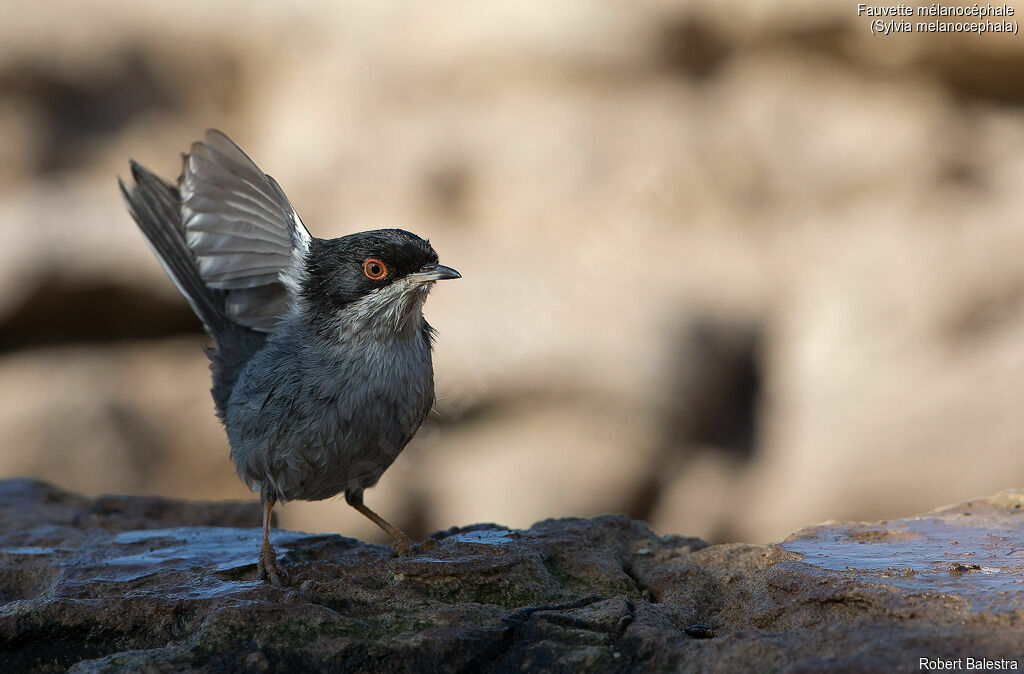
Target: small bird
{"x":321,"y":356}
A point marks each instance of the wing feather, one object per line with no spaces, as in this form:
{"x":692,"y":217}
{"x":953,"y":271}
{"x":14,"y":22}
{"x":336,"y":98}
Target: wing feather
{"x":246,"y":236}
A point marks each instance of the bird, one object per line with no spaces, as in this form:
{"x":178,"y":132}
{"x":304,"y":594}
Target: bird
{"x":320,"y":356}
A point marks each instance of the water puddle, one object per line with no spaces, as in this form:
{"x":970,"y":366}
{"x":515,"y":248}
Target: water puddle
{"x":483,"y":537}
{"x":949,"y":555}
{"x":151,"y":551}
{"x":27,"y":550}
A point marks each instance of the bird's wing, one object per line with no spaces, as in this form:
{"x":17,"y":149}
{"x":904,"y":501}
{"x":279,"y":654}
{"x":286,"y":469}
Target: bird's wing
{"x":246,"y":236}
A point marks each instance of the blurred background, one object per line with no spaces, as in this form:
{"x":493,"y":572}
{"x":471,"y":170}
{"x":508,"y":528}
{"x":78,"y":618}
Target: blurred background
{"x":730,"y":267}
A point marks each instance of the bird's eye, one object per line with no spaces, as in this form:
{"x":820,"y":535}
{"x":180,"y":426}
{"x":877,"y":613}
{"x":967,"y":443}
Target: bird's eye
{"x":374,"y":269}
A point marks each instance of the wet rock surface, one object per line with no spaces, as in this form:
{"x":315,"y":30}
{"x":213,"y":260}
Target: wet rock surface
{"x":144,"y":584}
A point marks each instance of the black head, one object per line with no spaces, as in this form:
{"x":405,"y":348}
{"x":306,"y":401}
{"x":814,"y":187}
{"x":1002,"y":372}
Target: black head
{"x":344,"y":270}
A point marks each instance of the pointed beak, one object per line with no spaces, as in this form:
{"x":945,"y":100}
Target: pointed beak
{"x":435,"y":272}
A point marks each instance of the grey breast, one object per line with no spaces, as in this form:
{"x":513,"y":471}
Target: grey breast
{"x":307,"y":421}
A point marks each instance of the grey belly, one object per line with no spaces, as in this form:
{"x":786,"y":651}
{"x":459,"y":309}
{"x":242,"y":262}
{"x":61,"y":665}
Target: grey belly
{"x":305,"y":432}
{"x":343,"y":454}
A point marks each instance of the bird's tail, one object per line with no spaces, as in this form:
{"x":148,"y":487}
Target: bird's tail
{"x":155,"y":206}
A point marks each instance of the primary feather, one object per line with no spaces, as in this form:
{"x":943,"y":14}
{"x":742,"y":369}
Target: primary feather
{"x":245,"y":234}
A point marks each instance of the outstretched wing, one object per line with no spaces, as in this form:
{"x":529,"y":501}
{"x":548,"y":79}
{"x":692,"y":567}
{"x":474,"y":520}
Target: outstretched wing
{"x":246,"y":236}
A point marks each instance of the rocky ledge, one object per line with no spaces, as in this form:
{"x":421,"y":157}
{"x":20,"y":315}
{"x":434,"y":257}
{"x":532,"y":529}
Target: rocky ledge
{"x":143,"y":584}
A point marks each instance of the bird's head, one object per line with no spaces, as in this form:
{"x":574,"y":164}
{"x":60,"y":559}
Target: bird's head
{"x":375,"y":280}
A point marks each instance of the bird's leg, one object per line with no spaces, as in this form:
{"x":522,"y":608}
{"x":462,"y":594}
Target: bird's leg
{"x":268,"y":567}
{"x":402,"y":543}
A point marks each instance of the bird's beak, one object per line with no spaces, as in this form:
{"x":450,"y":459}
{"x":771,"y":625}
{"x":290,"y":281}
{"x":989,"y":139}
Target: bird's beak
{"x":435,"y":272}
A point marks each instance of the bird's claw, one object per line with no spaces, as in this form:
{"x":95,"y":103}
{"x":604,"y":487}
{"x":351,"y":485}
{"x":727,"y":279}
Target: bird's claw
{"x":270,"y":571}
{"x":402,"y":546}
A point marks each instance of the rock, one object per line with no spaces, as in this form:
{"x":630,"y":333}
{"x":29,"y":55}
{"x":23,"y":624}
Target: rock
{"x":126,"y":583}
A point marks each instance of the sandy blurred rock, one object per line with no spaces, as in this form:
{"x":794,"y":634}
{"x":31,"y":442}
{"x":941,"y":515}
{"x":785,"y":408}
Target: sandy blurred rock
{"x":600,"y":175}
{"x":925,"y":383}
{"x":123,"y":417}
{"x":704,"y":497}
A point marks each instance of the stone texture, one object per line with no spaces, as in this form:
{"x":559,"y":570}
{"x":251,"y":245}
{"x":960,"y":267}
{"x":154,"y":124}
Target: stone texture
{"x":145,"y":584}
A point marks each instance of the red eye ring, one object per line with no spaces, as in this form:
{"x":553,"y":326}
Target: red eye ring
{"x":374,"y":269}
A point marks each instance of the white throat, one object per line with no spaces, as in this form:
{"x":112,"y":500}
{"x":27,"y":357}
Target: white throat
{"x":395,"y":310}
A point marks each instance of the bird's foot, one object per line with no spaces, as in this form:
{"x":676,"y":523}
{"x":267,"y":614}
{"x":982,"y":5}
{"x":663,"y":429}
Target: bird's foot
{"x":269,"y":569}
{"x":402,"y":545}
